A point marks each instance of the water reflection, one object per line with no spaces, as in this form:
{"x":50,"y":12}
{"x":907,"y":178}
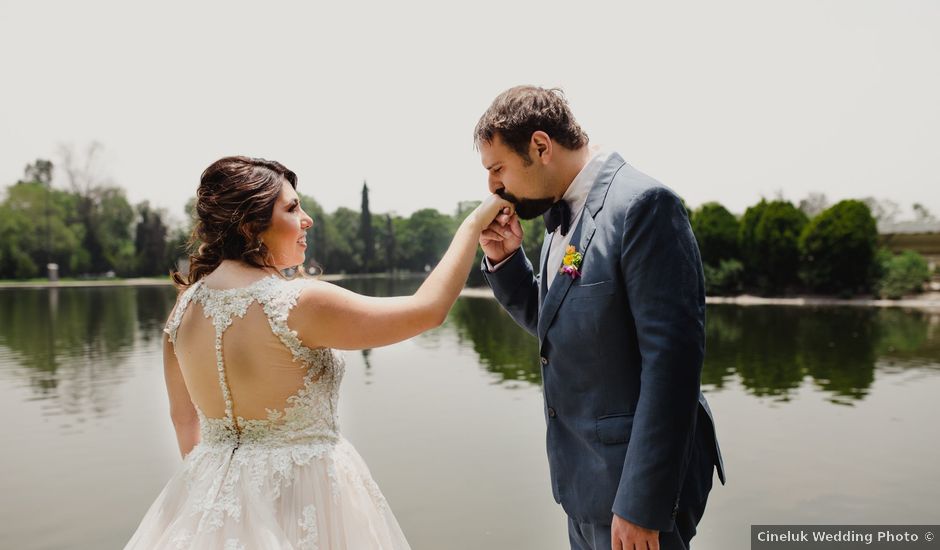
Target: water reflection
{"x":770,"y":351}
{"x":153,"y":308}
{"x":504,"y":348}
{"x":71,"y":343}
{"x":774,"y":349}
{"x":909,"y":339}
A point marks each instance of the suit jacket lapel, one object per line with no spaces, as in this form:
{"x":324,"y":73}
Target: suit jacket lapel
{"x":581,"y":238}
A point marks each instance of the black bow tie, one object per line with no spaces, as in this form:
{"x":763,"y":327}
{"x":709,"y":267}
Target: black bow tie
{"x":558,"y":215}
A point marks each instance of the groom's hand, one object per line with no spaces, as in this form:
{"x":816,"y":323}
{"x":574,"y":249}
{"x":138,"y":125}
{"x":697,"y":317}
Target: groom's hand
{"x":627,"y":536}
{"x":502,"y":237}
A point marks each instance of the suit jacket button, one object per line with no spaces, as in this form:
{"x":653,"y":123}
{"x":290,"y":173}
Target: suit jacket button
{"x":551,"y":413}
{"x":544,"y":360}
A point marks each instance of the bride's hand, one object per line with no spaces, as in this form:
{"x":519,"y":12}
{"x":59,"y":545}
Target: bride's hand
{"x":486,"y":212}
{"x":502,"y":236}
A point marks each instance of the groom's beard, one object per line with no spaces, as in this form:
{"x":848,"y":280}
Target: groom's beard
{"x":527,"y":209}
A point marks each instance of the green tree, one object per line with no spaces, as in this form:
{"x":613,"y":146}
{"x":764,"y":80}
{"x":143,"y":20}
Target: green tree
{"x":191,"y":214}
{"x":838,"y":248}
{"x":533,"y":236}
{"x":37,"y":226}
{"x":103,"y":209}
{"x":769,"y":244}
{"x":177,"y":247}
{"x":716,"y":230}
{"x":366,"y":232}
{"x":424,"y":237}
{"x":904,"y":273}
{"x":747,"y":238}
{"x":321,"y":236}
{"x":150,"y":242}
{"x":724,"y":279}
{"x":390,"y":242}
{"x":386,"y":242}
{"x":344,"y":252}
{"x":39,"y":171}
{"x":112,"y":220}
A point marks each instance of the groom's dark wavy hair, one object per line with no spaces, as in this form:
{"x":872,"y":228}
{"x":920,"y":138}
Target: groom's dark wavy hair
{"x":519,"y":112}
{"x":234,"y":205}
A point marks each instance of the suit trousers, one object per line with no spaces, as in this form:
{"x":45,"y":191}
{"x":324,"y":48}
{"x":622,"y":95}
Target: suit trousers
{"x":591,"y":536}
{"x":694,"y":496}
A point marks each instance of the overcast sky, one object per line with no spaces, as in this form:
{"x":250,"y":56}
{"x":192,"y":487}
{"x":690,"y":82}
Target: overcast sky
{"x":721,"y":100}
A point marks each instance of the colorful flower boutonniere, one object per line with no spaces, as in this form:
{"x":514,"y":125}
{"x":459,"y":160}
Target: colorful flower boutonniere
{"x":571,"y":264}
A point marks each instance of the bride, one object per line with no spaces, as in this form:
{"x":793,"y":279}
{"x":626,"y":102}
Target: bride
{"x":252,"y":377}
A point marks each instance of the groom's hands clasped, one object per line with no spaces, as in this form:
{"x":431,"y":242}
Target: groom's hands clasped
{"x":503,"y":236}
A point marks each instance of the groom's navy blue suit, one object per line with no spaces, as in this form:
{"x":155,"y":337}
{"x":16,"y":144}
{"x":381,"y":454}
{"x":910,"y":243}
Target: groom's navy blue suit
{"x":629,"y":431}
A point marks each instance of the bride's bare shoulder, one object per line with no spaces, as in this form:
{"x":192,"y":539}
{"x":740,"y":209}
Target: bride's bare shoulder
{"x":319,"y":294}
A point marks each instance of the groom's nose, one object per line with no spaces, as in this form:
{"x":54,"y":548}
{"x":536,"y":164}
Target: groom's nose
{"x":494,"y":184}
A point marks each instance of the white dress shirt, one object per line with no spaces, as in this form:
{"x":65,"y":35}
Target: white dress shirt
{"x":576,"y":195}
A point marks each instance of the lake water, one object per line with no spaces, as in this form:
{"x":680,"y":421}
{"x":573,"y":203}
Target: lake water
{"x":823,"y":415}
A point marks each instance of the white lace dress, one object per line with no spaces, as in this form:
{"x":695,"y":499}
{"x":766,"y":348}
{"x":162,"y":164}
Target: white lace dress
{"x":290,"y":481}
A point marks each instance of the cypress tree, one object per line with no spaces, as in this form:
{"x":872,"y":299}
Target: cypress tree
{"x":366,"y":232}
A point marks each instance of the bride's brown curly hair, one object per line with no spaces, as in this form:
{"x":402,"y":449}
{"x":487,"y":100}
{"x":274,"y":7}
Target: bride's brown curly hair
{"x":234,"y":205}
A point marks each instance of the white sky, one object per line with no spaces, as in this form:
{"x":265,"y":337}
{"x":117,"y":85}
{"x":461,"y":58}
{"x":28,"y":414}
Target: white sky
{"x":722,"y":100}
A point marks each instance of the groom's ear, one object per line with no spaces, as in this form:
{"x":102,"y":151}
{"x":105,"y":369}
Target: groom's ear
{"x":540,"y":147}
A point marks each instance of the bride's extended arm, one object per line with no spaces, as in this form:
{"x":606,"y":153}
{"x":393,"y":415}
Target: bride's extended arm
{"x":182,"y":410}
{"x":330,"y":316}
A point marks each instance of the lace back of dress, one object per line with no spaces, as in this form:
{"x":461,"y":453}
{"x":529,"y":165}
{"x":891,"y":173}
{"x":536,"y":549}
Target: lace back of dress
{"x":308,"y":397}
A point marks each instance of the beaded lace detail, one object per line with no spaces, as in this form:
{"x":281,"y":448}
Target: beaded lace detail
{"x":310,"y":414}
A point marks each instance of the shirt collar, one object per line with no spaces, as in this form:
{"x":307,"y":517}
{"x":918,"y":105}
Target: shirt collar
{"x":580,"y":187}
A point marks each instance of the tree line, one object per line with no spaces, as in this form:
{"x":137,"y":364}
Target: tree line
{"x":778,"y":248}
{"x":90,"y":229}
{"x":775,"y":247}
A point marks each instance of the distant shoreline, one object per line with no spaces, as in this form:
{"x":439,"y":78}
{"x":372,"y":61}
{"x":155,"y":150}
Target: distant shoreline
{"x":166,"y":281}
{"x":929,"y":301}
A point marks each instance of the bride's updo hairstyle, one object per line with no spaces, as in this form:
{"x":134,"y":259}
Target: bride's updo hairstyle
{"x":234,"y":204}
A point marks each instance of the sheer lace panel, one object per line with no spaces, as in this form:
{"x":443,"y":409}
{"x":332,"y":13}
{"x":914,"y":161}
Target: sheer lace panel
{"x":248,"y":373}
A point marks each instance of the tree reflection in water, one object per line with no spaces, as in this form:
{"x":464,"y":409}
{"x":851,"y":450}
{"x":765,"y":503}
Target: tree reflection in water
{"x":770,"y":349}
{"x":503,"y":346}
{"x":70,"y":345}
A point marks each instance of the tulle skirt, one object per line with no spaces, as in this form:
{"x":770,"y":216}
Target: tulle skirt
{"x":305,"y":496}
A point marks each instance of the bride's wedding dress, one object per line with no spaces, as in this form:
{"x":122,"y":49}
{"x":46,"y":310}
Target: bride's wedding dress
{"x":271,"y":470}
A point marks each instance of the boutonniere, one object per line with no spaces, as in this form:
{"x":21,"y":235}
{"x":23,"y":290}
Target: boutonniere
{"x":571,"y":264}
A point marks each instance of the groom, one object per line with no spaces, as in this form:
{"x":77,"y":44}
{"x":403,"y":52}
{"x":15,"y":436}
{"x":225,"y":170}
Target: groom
{"x":618,"y":307}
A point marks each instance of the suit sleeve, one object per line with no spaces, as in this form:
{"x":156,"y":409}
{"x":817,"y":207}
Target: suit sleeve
{"x":665,"y":287}
{"x":516,"y":289}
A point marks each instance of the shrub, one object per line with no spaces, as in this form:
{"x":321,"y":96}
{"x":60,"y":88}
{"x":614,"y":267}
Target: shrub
{"x":716,"y":231}
{"x":903,"y":274}
{"x":838,"y":248}
{"x":726,"y":279}
{"x":769,"y":243}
